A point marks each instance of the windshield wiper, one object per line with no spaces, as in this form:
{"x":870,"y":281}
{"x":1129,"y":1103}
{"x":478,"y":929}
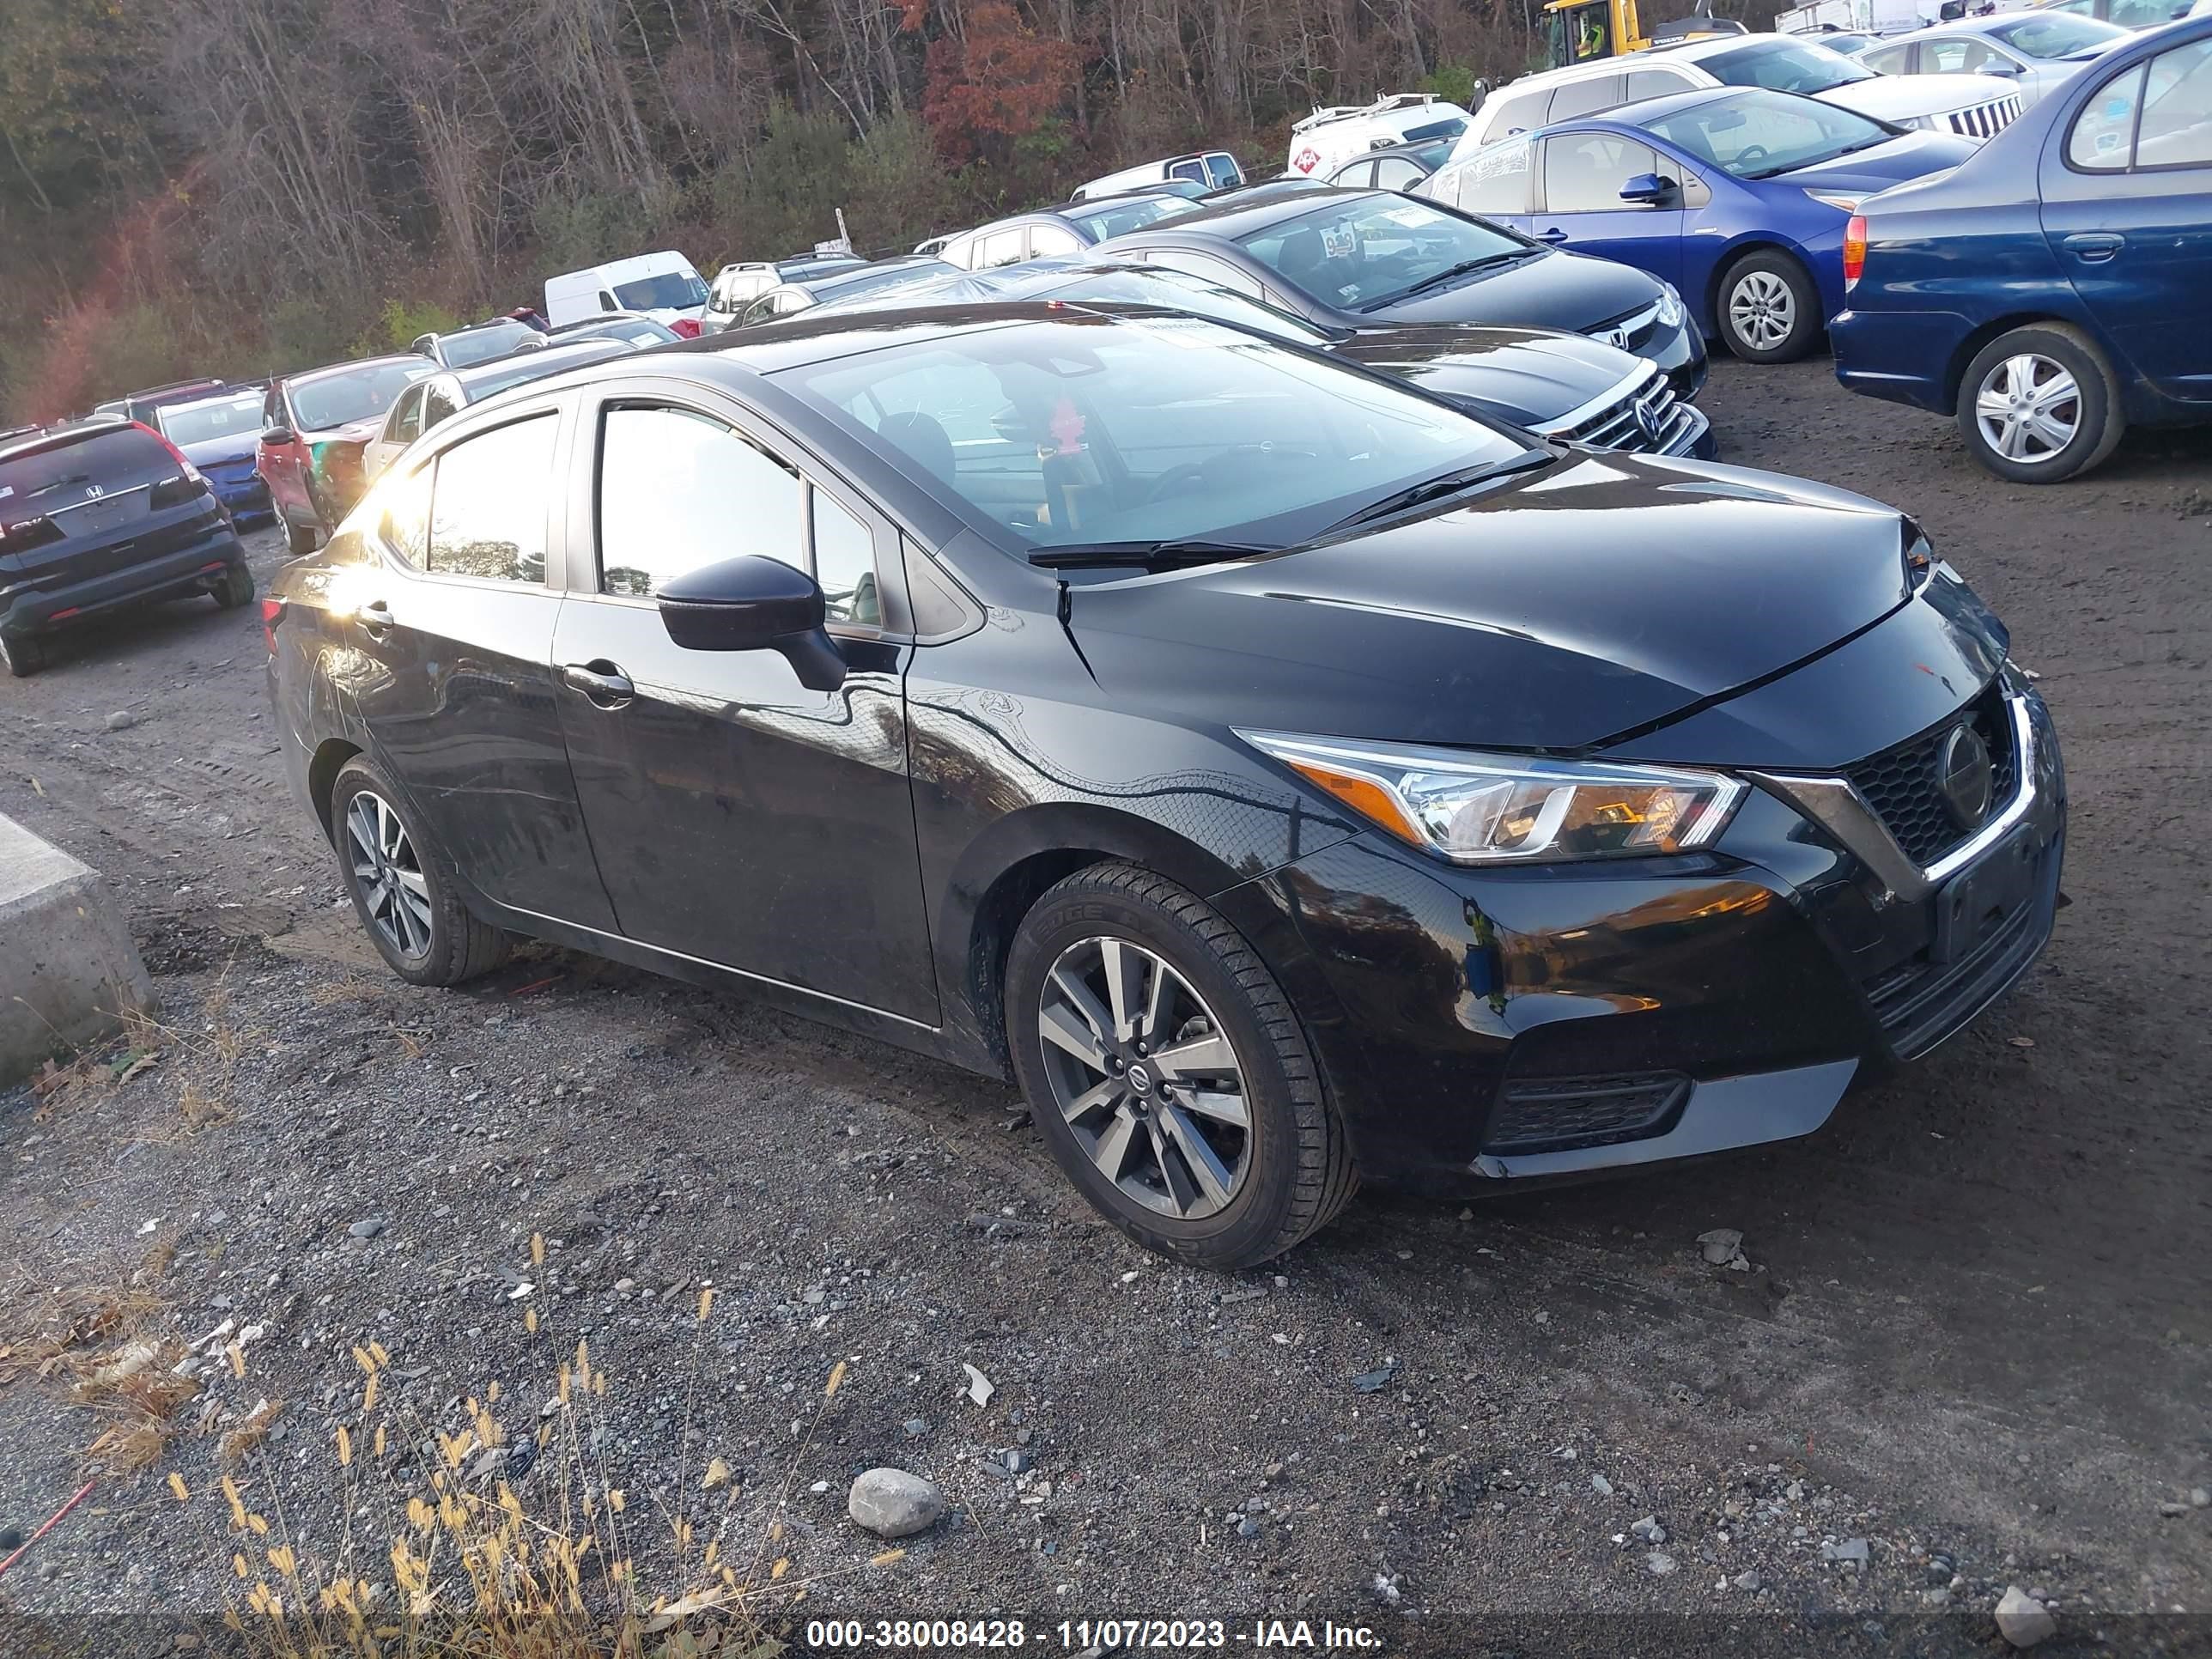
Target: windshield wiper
{"x":1437,"y":489}
{"x":63,"y":482}
{"x":1141,"y":555}
{"x":1452,"y":273}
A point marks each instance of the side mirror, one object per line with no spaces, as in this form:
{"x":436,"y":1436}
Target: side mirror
{"x":1649,"y":189}
{"x":755,"y":603}
{"x":1998,"y":66}
{"x":277,"y":436}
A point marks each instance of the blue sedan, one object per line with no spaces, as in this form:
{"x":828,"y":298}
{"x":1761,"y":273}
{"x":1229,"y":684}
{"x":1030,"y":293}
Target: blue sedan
{"x":1737,"y":195}
{"x":2058,"y":286}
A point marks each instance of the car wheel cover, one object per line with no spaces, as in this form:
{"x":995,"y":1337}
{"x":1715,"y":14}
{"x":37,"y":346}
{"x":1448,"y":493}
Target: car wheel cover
{"x":2028,"y":408}
{"x":394,"y":891}
{"x":1762,"y":311}
{"x":1145,"y":1079}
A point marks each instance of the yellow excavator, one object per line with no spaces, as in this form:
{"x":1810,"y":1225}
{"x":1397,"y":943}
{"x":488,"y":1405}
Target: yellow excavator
{"x":1577,"y":31}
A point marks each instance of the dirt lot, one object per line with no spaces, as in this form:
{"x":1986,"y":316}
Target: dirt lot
{"x":1976,"y":1321}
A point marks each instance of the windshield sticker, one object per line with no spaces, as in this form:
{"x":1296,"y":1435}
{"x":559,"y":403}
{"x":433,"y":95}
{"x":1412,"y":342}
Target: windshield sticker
{"x":1411,"y":218}
{"x":1191,"y":333}
{"x":1340,"y":241}
{"x":6,"y":490}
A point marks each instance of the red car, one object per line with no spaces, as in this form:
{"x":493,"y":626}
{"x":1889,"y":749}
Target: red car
{"x":314,"y":427}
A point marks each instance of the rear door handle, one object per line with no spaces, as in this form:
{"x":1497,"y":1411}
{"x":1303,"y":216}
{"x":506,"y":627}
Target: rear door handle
{"x":603,"y":681}
{"x":375,"y":616}
{"x":1554,"y":234}
{"x":2093,"y":247}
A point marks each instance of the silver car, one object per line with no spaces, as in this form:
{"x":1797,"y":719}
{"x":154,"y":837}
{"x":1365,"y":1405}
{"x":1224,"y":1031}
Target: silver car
{"x":2035,"y":51}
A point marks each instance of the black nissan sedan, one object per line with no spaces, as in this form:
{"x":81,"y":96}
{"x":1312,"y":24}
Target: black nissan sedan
{"x":1285,"y":777}
{"x":1346,"y":258}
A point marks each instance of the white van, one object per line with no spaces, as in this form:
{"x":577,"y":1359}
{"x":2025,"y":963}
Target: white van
{"x":1328,"y":137}
{"x":1216,"y":169}
{"x":663,"y":286}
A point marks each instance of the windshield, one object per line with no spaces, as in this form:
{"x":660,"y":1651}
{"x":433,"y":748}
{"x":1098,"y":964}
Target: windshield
{"x":672,"y":290}
{"x":1371,"y":250}
{"x":2055,"y":34}
{"x":1181,"y":292}
{"x":867,"y":282}
{"x":1784,"y":66}
{"x":354,"y":394}
{"x":1118,"y":215}
{"x":183,"y":424}
{"x":1083,"y":429}
{"x":1758,"y":135}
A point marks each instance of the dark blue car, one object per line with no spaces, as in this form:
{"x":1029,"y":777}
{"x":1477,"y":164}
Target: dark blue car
{"x":2058,"y":286}
{"x":1738,"y":196}
{"x":219,"y":434}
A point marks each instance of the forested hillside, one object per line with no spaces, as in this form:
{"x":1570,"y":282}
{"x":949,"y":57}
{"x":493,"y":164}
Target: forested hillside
{"x":239,"y":185}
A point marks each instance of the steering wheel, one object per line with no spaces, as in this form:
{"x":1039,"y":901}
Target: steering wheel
{"x":1201,"y":472}
{"x":1751,"y":154}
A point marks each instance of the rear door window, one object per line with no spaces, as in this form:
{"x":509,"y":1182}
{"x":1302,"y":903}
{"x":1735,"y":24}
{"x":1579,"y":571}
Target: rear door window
{"x":1494,"y":179}
{"x":1958,"y":55}
{"x":488,"y":504}
{"x":1889,"y":60}
{"x":1575,"y":98}
{"x":1396,"y":172}
{"x":1521,"y":113}
{"x":1000,"y":248}
{"x":1221,"y":171}
{"x":1048,"y":241}
{"x":2177,"y":118}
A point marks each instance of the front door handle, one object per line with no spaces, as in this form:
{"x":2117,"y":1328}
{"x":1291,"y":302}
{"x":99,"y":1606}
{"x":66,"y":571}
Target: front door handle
{"x":376,"y":617}
{"x":1553,"y":235}
{"x":603,"y":681}
{"x":2093,"y":247}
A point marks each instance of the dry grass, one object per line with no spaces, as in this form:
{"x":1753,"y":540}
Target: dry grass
{"x":556,"y":1562}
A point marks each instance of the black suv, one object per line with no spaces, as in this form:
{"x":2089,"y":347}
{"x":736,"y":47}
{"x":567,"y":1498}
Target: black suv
{"x":99,"y":515}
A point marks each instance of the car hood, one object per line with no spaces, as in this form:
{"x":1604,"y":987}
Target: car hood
{"x":1530,"y":376}
{"x":1913,"y":157}
{"x":1591,"y":601}
{"x":216,"y":451}
{"x":1553,"y":289}
{"x":1901,"y":97}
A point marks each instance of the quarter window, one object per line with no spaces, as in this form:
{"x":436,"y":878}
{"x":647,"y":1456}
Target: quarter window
{"x":2103,"y":138}
{"x":1520,"y":114}
{"x":678,"y":490}
{"x":845,"y":565}
{"x":1494,"y":179}
{"x":488,"y":504}
{"x":1654,"y":83}
{"x":1583,"y":172}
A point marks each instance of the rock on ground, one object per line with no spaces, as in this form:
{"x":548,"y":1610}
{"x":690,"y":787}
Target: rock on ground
{"x":2022,"y":1621}
{"x":893,"y":1504}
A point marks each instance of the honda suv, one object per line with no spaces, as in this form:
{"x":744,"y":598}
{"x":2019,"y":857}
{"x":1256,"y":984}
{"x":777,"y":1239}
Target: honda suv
{"x":99,"y":515}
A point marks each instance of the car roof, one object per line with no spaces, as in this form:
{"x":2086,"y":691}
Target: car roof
{"x":330,"y":371}
{"x":1234,"y":213}
{"x":1644,"y":110}
{"x":569,"y":354}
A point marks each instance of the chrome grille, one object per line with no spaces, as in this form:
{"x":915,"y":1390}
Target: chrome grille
{"x":1986,"y":120}
{"x":1640,"y":415}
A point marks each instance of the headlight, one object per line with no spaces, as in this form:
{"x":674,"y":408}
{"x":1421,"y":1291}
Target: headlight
{"x":1917,"y":123}
{"x":1670,"y":306}
{"x":1503,"y":809}
{"x":1841,"y":203}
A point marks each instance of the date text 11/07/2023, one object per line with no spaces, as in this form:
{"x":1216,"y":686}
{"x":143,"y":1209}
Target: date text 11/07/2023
{"x":1081,"y":1636}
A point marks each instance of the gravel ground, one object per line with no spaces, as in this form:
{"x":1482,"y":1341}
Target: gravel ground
{"x":1968,"y":1350}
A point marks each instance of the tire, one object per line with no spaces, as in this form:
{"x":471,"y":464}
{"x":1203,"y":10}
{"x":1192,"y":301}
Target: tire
{"x":296,"y":540}
{"x":22,"y":654}
{"x":1278,"y":1177}
{"x":234,"y":588}
{"x":430,"y":938}
{"x":2030,"y":370}
{"x":1769,"y":311}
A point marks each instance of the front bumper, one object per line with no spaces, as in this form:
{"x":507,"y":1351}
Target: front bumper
{"x":1486,"y":1026}
{"x":189,"y":569}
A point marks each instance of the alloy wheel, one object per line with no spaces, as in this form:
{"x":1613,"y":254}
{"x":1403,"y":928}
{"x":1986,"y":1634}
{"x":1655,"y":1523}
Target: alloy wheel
{"x":1146,"y":1078}
{"x":2028,"y":408}
{"x":393,"y":889}
{"x":1762,"y":310}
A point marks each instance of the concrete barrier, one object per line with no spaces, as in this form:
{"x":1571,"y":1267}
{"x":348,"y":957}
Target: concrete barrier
{"x":68,"y":968}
